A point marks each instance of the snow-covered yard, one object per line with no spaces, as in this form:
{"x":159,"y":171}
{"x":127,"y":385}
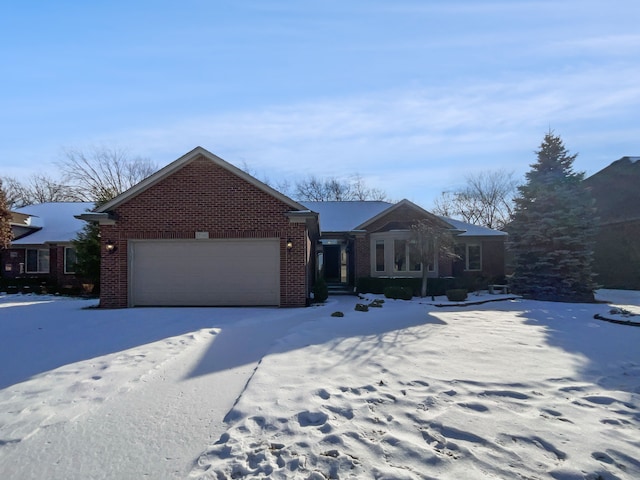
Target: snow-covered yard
{"x":510,"y":389}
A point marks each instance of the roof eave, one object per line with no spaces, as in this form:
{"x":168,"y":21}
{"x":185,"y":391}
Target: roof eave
{"x":98,"y":217}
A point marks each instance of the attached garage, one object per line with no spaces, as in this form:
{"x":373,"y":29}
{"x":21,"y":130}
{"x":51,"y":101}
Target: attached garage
{"x":204,"y":272}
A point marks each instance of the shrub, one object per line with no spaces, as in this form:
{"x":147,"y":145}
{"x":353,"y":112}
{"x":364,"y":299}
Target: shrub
{"x":361,"y":307}
{"x":457,"y":294}
{"x":320,"y":291}
{"x":398,"y":293}
{"x":435,"y":286}
{"x":27,"y":285}
{"x":377,"y":303}
{"x":337,"y":314}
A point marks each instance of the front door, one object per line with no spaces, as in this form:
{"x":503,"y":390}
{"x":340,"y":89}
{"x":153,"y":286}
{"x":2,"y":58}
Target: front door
{"x":332,"y":263}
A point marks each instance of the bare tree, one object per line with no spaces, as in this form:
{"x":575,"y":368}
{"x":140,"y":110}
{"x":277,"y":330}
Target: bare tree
{"x":39,"y":188}
{"x":315,"y":189}
{"x":431,"y":241}
{"x":486,"y":199}
{"x":5,"y":220}
{"x":360,"y":190}
{"x":102,"y":173}
{"x":12,"y":192}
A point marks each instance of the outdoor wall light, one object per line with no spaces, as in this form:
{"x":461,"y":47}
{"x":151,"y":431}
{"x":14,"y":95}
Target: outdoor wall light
{"x":289,"y":244}
{"x":110,"y":247}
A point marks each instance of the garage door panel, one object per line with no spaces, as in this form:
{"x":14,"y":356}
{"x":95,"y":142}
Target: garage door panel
{"x":205,"y":272}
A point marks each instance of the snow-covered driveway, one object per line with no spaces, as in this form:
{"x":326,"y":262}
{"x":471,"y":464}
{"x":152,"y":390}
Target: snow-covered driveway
{"x":121,"y":394}
{"x":513,"y":389}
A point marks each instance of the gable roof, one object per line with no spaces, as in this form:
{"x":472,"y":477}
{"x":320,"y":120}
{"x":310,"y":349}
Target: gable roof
{"x":345,"y":216}
{"x":392,"y":208}
{"x":184,"y":160}
{"x":52,"y":222}
{"x":356,"y":215}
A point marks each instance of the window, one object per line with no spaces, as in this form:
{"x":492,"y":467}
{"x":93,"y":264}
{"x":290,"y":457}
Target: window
{"x":413,"y":257}
{"x":37,"y":260}
{"x":474,"y":257}
{"x":70,"y":260}
{"x":400,"y":255}
{"x":406,"y":257}
{"x":470,"y":256}
{"x":379,"y":255}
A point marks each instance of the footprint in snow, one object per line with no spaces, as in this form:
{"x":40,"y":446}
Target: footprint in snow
{"x":312,"y":419}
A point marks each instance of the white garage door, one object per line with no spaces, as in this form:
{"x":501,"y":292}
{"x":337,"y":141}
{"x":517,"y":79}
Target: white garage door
{"x":204,"y":272}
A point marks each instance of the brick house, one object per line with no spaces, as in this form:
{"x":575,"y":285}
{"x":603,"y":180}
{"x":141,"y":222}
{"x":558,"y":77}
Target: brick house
{"x":42,"y":250}
{"x":203,"y":232}
{"x":372,"y":239}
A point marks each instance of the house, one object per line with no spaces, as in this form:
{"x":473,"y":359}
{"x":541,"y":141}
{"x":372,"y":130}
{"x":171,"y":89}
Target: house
{"x":617,"y":200}
{"x":42,"y":250}
{"x":372,"y":239}
{"x":202,"y":232}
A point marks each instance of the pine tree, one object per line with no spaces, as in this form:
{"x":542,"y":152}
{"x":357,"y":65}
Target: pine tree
{"x":5,"y":220}
{"x":87,"y":245}
{"x":553,"y":228}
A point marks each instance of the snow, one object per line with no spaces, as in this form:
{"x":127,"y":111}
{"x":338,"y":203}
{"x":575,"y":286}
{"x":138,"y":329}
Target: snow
{"x":470,"y":230}
{"x":506,"y":389}
{"x":345,"y":216}
{"x":56,"y":220}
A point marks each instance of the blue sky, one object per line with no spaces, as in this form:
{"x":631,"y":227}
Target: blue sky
{"x":411,"y":95}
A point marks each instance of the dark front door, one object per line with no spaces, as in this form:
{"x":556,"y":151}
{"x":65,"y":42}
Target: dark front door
{"x":332,"y":263}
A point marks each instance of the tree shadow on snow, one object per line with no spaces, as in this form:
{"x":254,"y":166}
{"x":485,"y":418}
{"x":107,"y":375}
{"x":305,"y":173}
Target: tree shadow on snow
{"x":40,"y":334}
{"x":248,"y":343}
{"x":609,"y":353}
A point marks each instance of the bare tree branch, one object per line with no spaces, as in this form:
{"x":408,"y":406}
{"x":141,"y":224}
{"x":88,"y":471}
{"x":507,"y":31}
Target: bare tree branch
{"x":5,"y":220}
{"x":102,"y":173}
{"x":314,"y":189}
{"x":486,"y":199}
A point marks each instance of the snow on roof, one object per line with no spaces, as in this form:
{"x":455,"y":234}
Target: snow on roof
{"x":345,"y":216}
{"x":57,"y":221}
{"x":470,"y":230}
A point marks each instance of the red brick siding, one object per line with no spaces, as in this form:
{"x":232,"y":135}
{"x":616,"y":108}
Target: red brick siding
{"x":56,"y":273}
{"x":493,"y":253}
{"x":404,"y":214}
{"x":493,"y":257}
{"x":202,"y":196}
{"x":363,"y":256}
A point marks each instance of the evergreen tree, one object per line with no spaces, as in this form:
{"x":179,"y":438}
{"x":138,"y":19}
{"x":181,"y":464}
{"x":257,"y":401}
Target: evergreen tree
{"x":5,"y":220}
{"x":553,"y":228}
{"x":87,"y":245}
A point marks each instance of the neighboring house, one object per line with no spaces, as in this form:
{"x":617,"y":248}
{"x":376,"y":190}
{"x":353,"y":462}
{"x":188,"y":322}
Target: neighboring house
{"x":42,"y":247}
{"x":203,"y":232}
{"x":617,"y":197}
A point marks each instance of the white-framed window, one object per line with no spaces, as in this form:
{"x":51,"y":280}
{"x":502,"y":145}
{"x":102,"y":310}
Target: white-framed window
{"x":471,"y":255}
{"x":394,"y":253}
{"x":37,"y":260}
{"x":406,"y":256}
{"x":70,"y":260}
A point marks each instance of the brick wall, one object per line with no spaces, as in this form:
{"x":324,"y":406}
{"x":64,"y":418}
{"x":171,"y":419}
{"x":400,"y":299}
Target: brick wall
{"x":493,"y":252}
{"x":16,"y":256}
{"x":201,"y":196}
{"x":363,"y":257}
